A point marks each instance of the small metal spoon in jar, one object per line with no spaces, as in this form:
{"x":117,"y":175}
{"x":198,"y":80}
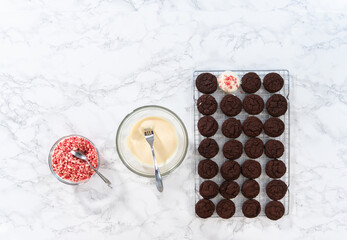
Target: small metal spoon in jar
{"x":81,"y":155}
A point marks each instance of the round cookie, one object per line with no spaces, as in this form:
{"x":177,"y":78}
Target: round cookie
{"x":207,"y":104}
{"x":228,"y":81}
{"x":274,"y":127}
{"x":273,"y":82}
{"x":207,"y":169}
{"x":206,"y":83}
{"x":276,"y":189}
{"x":230,"y":170}
{"x":276,"y":105}
{"x":231,"y":105}
{"x":252,"y":126}
{"x":208,"y":189}
{"x":207,"y":126}
{"x":251,"y":169}
{"x":250,"y":82}
{"x":253,"y":104}
{"x":250,"y":188}
{"x":204,"y":208}
{"x":208,"y":148}
{"x":229,"y":189}
{"x":251,"y":208}
{"x":232,"y":128}
{"x":232,"y":149}
{"x":225,"y":208}
{"x":274,"y":210}
{"x":275,"y":168}
{"x":274,"y":148}
{"x":254,"y":147}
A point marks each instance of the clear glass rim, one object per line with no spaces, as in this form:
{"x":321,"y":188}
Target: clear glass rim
{"x":50,"y":161}
{"x":180,"y":123}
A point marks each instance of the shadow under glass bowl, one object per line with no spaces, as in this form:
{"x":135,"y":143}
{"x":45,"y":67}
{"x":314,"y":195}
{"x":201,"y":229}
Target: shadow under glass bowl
{"x":51,"y":167}
{"x":130,"y":161}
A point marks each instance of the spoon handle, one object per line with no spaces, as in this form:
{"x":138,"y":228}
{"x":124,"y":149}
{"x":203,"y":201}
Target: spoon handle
{"x":100,"y":175}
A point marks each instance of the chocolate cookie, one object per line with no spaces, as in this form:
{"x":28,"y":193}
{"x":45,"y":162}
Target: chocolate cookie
{"x":274,"y":148}
{"x":254,"y":147}
{"x":274,"y":127}
{"x":232,"y":149}
{"x":250,"y":188}
{"x":225,"y":208}
{"x":252,"y":126}
{"x":207,"y":126}
{"x":204,"y":208}
{"x":207,"y":169}
{"x":273,"y":82}
{"x":232,"y":128}
{"x":250,"y":82}
{"x":229,"y":189}
{"x":276,"y":105}
{"x":275,"y":168}
{"x":208,"y":148}
{"x":274,"y":210}
{"x":230,"y":170}
{"x":206,"y":83}
{"x":253,"y":104}
{"x":251,"y":208}
{"x":208,"y":189}
{"x":276,"y":189}
{"x":251,"y":169}
{"x":231,"y":105}
{"x":207,"y":105}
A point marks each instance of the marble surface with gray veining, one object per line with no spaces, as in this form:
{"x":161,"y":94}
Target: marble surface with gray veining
{"x":81,"y":66}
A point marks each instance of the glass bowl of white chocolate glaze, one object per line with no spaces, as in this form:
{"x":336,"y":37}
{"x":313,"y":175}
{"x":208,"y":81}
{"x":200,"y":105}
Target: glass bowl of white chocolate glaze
{"x":170,"y":140}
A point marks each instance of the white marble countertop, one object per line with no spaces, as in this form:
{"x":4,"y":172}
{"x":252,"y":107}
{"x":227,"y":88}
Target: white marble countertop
{"x":81,"y":66}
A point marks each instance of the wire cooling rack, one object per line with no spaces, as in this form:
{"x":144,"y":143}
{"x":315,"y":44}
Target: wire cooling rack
{"x":263,"y":180}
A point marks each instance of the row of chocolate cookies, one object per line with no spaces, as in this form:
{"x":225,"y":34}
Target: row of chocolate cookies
{"x":275,"y":189}
{"x":230,"y":170}
{"x":233,"y":149}
{"x":273,"y":82}
{"x":253,"y":104}
{"x":251,"y":169}
{"x":232,"y":127}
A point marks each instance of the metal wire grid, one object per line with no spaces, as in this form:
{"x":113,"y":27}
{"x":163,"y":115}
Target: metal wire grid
{"x":221,"y":139}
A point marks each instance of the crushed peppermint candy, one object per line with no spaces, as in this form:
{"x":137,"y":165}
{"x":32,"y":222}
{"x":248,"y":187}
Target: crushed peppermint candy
{"x":67,"y":166}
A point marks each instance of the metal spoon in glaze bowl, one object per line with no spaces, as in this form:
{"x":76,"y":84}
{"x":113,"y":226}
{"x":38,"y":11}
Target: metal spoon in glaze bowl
{"x":81,"y":155}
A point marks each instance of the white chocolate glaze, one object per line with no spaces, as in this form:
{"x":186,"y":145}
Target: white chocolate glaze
{"x":165,"y":140}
